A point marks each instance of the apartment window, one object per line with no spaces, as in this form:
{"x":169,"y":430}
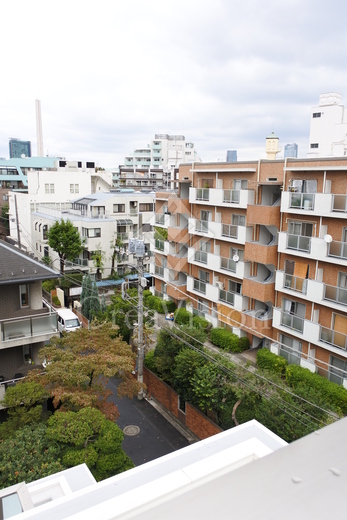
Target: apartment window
{"x":206,"y":215}
{"x":205,"y":246}
{"x":303,"y":186}
{"x":240,"y":184}
{"x":118,"y":208}
{"x":235,"y":287}
{"x":146,"y":228}
{"x":337,"y":370}
{"x":238,"y":220}
{"x":204,"y":276}
{"x":290,"y":349}
{"x":74,"y":188}
{"x":234,"y":253}
{"x":207,"y":183}
{"x":316,"y":114}
{"x":146,"y":207}
{"x":5,"y":198}
{"x":91,"y":233}
{"x":44,"y":231}
{"x":46,"y":252}
{"x":24,"y":295}
{"x":46,"y":188}
{"x":314,"y":145}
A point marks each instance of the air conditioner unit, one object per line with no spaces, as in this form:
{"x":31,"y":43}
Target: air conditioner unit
{"x":220,"y":285}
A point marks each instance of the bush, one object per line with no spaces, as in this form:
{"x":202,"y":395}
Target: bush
{"x":298,"y":378}
{"x":50,"y":285}
{"x":269,"y":361}
{"x":56,"y":301}
{"x":244,"y":343}
{"x":182,"y":316}
{"x":150,"y":361}
{"x":225,"y":339}
{"x":201,"y":323}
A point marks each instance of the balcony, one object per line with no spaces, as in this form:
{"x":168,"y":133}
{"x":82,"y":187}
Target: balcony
{"x":227,"y":297}
{"x":177,"y":290}
{"x":229,"y":230}
{"x":299,"y":242}
{"x":28,"y":329}
{"x":292,"y":321}
{"x":162,"y":219}
{"x":219,"y":264}
{"x":259,"y":290}
{"x":200,"y":257}
{"x":303,"y":201}
{"x":217,"y":230}
{"x":337,"y":249}
{"x":333,"y":338}
{"x":159,"y":245}
{"x":159,"y":272}
{"x":262,"y":253}
{"x":220,"y":197}
{"x":318,"y":204}
{"x":264,"y":215}
{"x":318,"y":249}
{"x":178,"y":234}
{"x":199,"y":286}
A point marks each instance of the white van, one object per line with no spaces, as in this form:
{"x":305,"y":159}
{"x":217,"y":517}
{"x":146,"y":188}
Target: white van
{"x":67,"y":321}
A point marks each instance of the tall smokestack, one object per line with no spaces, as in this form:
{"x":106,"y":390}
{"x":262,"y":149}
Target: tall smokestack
{"x":39,"y":128}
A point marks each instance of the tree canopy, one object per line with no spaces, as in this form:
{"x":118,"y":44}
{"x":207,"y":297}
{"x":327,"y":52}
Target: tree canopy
{"x":65,"y":239}
{"x":80,"y":364}
{"x":90,"y":298}
{"x":88,"y":437}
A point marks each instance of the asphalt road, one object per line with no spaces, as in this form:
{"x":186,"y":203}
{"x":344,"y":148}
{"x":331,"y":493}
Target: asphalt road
{"x":156,"y":436}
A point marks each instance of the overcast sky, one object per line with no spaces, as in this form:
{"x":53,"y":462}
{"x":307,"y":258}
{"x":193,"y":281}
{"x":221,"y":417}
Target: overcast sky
{"x":112,"y":73}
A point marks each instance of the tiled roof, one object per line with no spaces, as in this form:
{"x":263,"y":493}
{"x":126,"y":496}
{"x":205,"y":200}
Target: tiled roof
{"x":16,"y":266}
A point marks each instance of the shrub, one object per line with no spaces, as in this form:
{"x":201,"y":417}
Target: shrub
{"x":170,"y":306}
{"x":298,"y":378}
{"x":50,"y":285}
{"x":150,"y":361}
{"x":56,"y":301}
{"x":243,"y":343}
{"x":225,"y":339}
{"x":150,"y":301}
{"x":201,"y":323}
{"x":182,"y":316}
{"x":269,"y":361}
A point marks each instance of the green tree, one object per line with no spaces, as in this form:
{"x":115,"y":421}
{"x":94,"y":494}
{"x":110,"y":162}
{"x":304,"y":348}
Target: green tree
{"x":65,"y":239}
{"x":99,"y":258}
{"x":24,"y":404}
{"x":28,"y":455}
{"x":89,"y":298}
{"x":5,"y":216}
{"x":186,"y":364}
{"x":88,"y":437}
{"x":80,"y":364}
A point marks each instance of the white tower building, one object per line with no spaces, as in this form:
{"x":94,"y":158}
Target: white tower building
{"x":328,"y":130}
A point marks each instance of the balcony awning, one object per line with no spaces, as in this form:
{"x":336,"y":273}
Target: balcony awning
{"x":124,"y":222}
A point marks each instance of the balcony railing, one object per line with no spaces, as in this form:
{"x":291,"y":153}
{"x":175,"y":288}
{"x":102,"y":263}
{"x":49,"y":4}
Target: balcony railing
{"x":159,"y":271}
{"x":202,"y":226}
{"x":292,"y":321}
{"x":338,"y":249}
{"x":299,"y":242}
{"x":160,"y":219}
{"x":199,"y":286}
{"x":333,"y":337}
{"x":78,"y":261}
{"x":28,"y":327}
{"x":229,"y":230}
{"x":200,"y":256}
{"x":295,"y":283}
{"x":302,"y":201}
{"x":159,"y":244}
{"x":226,"y":296}
{"x":228,"y":264}
{"x":231,"y":196}
{"x":340,"y":203}
{"x":202,"y":194}
{"x":335,"y":294}
{"x":123,"y":236}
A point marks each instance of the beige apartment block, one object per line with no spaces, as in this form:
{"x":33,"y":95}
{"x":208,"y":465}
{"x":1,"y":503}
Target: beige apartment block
{"x":261,"y":247}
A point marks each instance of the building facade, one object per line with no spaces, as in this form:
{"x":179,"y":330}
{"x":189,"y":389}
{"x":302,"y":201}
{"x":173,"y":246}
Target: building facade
{"x":18,"y":148}
{"x":328,"y":129}
{"x":291,"y":150}
{"x":261,"y":247}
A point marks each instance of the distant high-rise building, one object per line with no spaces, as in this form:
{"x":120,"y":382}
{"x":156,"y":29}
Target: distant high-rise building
{"x":291,"y":150}
{"x":19,"y":148}
{"x":231,"y":156}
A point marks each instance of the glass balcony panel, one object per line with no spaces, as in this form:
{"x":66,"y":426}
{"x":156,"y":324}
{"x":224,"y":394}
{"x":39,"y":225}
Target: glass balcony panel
{"x":299,"y":242}
{"x":16,"y":329}
{"x":199,"y":286}
{"x":295,"y":200}
{"x":201,"y":256}
{"x":202,"y":194}
{"x":159,"y":271}
{"x":202,"y":226}
{"x":339,"y":202}
{"x":228,"y":264}
{"x":44,"y":324}
{"x":292,"y":321}
{"x":226,"y":296}
{"x":337,"y":339}
{"x":229,"y":230}
{"x":295,"y":283}
{"x":338,"y":249}
{"x":341,"y":296}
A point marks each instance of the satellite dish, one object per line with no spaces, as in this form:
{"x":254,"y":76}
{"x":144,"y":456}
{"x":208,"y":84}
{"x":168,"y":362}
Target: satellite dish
{"x":328,"y":238}
{"x":236,"y":258}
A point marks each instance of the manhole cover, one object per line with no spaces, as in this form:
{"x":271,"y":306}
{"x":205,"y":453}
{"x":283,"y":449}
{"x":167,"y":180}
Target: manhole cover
{"x":131,"y":430}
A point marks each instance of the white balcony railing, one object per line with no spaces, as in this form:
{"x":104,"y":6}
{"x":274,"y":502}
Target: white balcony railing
{"x":220,"y":197}
{"x":217,"y":230}
{"x":219,"y":264}
{"x":28,"y":327}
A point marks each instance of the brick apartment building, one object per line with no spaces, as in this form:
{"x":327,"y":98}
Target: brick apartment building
{"x":261,"y":247}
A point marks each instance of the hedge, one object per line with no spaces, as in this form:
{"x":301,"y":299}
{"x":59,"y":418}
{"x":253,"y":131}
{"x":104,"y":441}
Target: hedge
{"x":150,"y":361}
{"x":201,"y":323}
{"x":333,"y":393}
{"x":182,"y":316}
{"x":269,"y":361}
{"x":157,"y":304}
{"x":227,"y":340}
